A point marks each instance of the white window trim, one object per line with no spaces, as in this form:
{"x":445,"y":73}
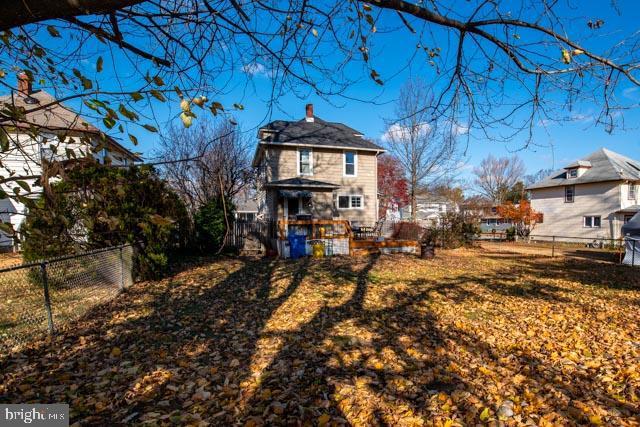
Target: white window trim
{"x":573,"y":195}
{"x":635,"y":191}
{"x":584,"y":221}
{"x":310,"y":161}
{"x":344,"y":164}
{"x":350,"y":195}
{"x":569,"y":173}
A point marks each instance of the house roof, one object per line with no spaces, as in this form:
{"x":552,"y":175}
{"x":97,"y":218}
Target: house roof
{"x":244,"y":203}
{"x":629,"y":209}
{"x":632,"y":228}
{"x":579,"y":164}
{"x":606,"y":165}
{"x":425,"y":200}
{"x":316,"y":133}
{"x":43,"y":111}
{"x":301,"y":182}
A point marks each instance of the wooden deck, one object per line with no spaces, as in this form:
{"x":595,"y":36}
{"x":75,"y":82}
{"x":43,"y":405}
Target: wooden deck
{"x":370,"y":246}
{"x":341,"y":229}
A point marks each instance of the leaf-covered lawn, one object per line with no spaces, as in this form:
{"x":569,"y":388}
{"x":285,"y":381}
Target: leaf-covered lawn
{"x":472,"y":337}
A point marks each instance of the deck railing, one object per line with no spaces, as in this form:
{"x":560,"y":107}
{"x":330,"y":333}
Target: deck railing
{"x":319,"y":228}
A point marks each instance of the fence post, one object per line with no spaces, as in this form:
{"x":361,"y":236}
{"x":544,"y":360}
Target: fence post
{"x":553,"y":246}
{"x":47,"y":299}
{"x":121,"y":269}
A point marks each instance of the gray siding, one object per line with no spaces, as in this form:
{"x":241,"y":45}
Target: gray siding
{"x":566,"y":219}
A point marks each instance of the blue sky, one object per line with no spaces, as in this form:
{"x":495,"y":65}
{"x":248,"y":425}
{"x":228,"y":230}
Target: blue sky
{"x":554,"y":145}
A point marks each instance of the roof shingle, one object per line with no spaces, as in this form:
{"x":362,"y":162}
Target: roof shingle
{"x":317,"y":133}
{"x":43,"y":111}
{"x":606,"y":165}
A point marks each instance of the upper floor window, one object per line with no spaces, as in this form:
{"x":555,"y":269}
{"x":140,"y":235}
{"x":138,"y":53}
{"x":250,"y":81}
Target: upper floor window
{"x":305,"y":161}
{"x":572,"y":173}
{"x":569,"y":193}
{"x":350,"y":163}
{"x":53,"y":154}
{"x":632,"y":192}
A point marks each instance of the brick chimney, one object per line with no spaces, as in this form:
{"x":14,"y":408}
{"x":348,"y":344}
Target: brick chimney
{"x":309,"y":116}
{"x":24,"y":84}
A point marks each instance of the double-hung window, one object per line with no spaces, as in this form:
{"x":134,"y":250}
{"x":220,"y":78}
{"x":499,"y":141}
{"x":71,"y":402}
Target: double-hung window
{"x":350,"y":163}
{"x":591,"y":221}
{"x":569,"y":193}
{"x":351,"y":201}
{"x":632,"y":191}
{"x":305,"y":161}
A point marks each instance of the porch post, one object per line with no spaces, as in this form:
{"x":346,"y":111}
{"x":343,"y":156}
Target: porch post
{"x":286,"y":216}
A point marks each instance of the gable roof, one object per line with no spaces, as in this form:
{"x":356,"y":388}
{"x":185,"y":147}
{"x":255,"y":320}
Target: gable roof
{"x":316,"y":133}
{"x":606,"y":165}
{"x":54,"y":117}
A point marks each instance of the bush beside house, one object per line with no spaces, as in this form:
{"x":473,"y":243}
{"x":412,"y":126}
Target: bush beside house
{"x":96,"y":206}
{"x":210,"y":224}
{"x":455,"y":230}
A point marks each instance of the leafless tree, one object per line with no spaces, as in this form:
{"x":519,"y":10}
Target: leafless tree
{"x":205,"y":161}
{"x":425,"y":145}
{"x":538,"y":176}
{"x":495,"y":176}
{"x":498,"y":68}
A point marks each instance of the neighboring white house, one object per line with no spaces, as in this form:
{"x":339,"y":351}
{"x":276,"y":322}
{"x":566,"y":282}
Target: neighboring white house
{"x":246,"y":205}
{"x":58,"y":131}
{"x":591,"y":197}
{"x":429,"y":210}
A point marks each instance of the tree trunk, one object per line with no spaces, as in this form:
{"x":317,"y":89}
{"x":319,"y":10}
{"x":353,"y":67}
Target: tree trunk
{"x":412,"y":195}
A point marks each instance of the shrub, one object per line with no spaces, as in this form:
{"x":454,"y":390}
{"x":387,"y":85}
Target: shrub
{"x":96,"y":207}
{"x":454,"y":231}
{"x":511,"y":234}
{"x":210,"y":224}
{"x":408,"y":231}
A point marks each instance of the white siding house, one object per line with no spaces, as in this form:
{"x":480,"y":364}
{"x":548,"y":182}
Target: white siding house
{"x":429,"y":210}
{"x":590,"y":198}
{"x":46,"y":131}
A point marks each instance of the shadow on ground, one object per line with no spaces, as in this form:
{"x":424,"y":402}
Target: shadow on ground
{"x":391,"y":340}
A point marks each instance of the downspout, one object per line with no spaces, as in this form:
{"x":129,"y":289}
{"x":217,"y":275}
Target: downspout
{"x":377,"y":207}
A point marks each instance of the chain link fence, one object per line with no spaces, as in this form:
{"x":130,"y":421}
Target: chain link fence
{"x":36,"y":298}
{"x":599,"y":249}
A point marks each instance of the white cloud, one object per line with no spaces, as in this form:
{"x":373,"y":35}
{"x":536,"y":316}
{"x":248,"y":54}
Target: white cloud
{"x":458,"y":129}
{"x":397,"y":132}
{"x":575,"y":118}
{"x":256,"y":69}
{"x":631,"y":93}
{"x":582,"y":118}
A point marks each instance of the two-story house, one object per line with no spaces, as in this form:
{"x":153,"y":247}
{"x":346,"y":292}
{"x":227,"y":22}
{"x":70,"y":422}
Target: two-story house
{"x":46,"y":130}
{"x":591,"y":197}
{"x":311,"y":168}
{"x":429,"y":210}
{"x":484,"y":212}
